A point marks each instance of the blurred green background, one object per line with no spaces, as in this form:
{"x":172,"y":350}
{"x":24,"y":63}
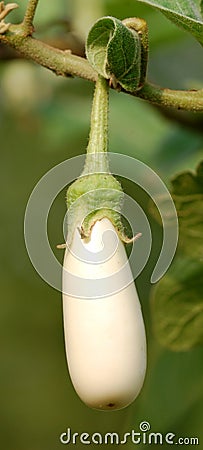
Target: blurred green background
{"x":44,"y":120}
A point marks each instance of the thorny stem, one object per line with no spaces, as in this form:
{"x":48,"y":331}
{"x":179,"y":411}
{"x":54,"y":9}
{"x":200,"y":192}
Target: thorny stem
{"x":65,"y":64}
{"x":29,"y":16}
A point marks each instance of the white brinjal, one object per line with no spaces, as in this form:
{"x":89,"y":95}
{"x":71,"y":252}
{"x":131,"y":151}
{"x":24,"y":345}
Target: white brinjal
{"x":104,"y":329}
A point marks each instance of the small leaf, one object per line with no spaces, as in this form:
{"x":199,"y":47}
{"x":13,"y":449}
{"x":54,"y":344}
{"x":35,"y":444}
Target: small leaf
{"x":188,"y":197}
{"x":114,"y":51}
{"x":188,"y":183}
{"x":185,"y":13}
{"x":187,"y":193}
{"x":177,"y":303}
{"x":177,"y":306}
{"x":200,"y":174}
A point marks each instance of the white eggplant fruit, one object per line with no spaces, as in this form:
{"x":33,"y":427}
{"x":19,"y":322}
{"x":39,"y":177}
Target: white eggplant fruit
{"x":105,"y":335}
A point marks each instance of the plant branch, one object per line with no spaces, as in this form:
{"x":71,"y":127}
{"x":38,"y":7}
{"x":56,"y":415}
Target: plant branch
{"x":185,"y":100}
{"x":66,"y":64}
{"x":29,"y":16}
{"x":62,"y":62}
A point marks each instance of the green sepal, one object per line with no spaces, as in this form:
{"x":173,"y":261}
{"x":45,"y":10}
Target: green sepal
{"x":113,"y":216}
{"x":100,"y":214}
{"x":87,"y":197}
{"x":91,"y":198}
{"x":92,"y":184}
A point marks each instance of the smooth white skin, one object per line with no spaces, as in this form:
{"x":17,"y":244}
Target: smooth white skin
{"x":104,"y":337}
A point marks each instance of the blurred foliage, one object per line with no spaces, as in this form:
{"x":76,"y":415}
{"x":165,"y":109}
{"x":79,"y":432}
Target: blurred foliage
{"x":187,"y":190}
{"x":44,"y":120}
{"x":177,"y":307}
{"x":186,"y":14}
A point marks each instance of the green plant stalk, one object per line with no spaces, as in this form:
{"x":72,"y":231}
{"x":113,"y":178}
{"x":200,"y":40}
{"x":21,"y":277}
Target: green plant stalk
{"x":191,"y":100}
{"x":65,"y":64}
{"x":96,"y":159}
{"x":29,"y":16}
{"x":96,"y":193}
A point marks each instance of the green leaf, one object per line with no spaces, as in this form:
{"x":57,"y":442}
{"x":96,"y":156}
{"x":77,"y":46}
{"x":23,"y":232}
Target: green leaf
{"x":177,"y":303}
{"x":114,"y":51}
{"x":187,"y":194}
{"x":185,"y":13}
{"x":177,"y":306}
